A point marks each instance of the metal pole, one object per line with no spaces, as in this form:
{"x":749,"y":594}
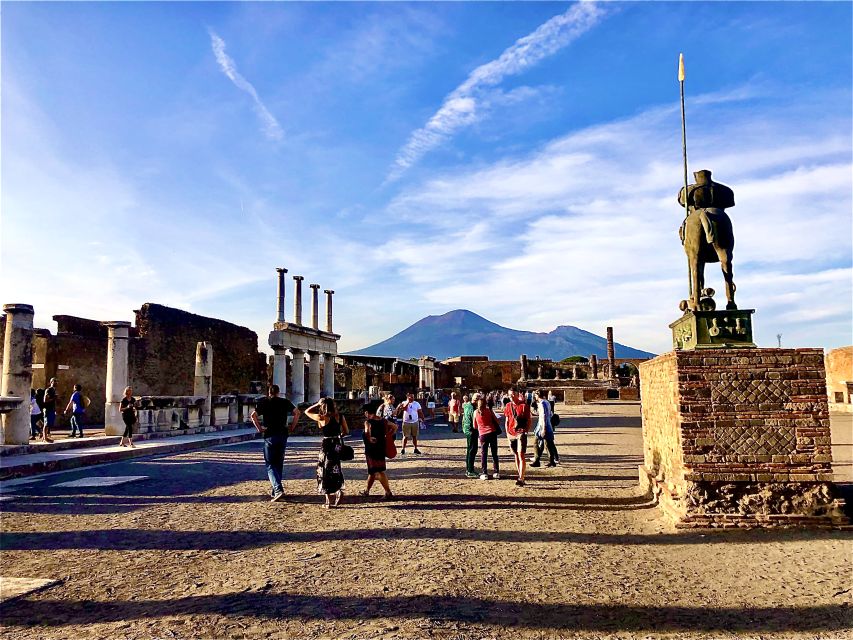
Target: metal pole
{"x":684,"y":153}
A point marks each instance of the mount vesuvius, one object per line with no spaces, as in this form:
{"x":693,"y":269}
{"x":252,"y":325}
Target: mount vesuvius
{"x":464,"y":333}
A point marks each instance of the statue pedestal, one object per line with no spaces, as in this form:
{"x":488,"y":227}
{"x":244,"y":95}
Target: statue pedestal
{"x":739,"y":438}
{"x":713,"y":329}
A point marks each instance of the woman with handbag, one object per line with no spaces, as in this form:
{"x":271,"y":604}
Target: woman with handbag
{"x":330,"y":477}
{"x":376,"y":432}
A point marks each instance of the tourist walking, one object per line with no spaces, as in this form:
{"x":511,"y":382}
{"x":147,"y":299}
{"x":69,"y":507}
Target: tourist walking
{"x":517,"y":414}
{"x":127,"y":407}
{"x":376,"y":432}
{"x":275,"y":411}
{"x":472,"y":436}
{"x":49,"y":408}
{"x":488,"y":429}
{"x":413,"y":415}
{"x":453,"y":409}
{"x":35,"y":415}
{"x":544,"y":431}
{"x":330,"y":476}
{"x":77,"y":407}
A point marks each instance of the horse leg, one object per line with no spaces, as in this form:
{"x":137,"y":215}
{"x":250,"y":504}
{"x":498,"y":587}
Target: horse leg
{"x":725,"y":256}
{"x":697,"y":276}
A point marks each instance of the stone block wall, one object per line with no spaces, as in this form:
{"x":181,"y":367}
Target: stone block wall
{"x":739,"y":437}
{"x":839,"y":379}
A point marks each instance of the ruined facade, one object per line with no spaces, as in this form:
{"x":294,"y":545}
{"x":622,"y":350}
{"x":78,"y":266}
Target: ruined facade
{"x":839,"y":379}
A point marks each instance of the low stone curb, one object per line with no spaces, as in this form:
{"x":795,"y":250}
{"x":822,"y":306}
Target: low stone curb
{"x":9,"y":469}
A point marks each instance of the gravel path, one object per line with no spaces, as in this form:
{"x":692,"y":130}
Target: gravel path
{"x":197,"y":551}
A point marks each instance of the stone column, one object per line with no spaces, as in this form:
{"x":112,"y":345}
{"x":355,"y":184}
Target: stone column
{"x":329,"y":293}
{"x":203,"y":385}
{"x":118,"y":333}
{"x":297,"y":300}
{"x":315,"y":305}
{"x":279,"y":370}
{"x":523,"y":360}
{"x":593,"y":363}
{"x":313,"y":376}
{"x":297,"y":377}
{"x":574,"y":372}
{"x":280,"y":315}
{"x":611,"y":353}
{"x":18,"y":371}
{"x":329,"y":375}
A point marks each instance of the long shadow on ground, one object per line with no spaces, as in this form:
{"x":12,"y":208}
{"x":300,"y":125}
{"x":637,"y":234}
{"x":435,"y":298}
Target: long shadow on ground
{"x":593,"y":617}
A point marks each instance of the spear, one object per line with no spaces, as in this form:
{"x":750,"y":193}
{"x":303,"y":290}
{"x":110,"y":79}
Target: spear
{"x":684,"y":151}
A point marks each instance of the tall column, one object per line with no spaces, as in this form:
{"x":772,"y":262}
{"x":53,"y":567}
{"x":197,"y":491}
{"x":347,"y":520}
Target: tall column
{"x":203,"y":385}
{"x":313,"y":376}
{"x":118,"y":333}
{"x":279,"y":370}
{"x":611,"y":353}
{"x":315,"y":305}
{"x":18,"y":371}
{"x":297,"y":300}
{"x":329,"y":293}
{"x":523,"y":360}
{"x":593,"y":363}
{"x":329,"y":375}
{"x":280,"y":315}
{"x":297,"y":376}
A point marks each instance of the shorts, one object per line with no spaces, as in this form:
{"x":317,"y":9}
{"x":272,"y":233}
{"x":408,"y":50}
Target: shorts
{"x":516,"y":441}
{"x":453,"y":417}
{"x":410,"y":429}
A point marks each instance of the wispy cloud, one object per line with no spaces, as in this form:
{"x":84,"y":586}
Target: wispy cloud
{"x":463,"y":106}
{"x":272,"y":129}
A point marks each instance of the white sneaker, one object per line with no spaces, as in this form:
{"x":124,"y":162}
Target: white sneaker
{"x":484,"y":476}
{"x":497,"y":476}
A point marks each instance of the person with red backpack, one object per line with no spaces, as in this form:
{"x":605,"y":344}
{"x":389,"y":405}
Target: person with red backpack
{"x":517,"y":414}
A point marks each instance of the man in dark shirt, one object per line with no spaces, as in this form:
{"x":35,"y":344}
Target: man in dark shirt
{"x":49,"y":407}
{"x":275,"y":411}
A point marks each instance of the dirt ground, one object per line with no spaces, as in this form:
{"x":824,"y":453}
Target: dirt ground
{"x":198,"y":551}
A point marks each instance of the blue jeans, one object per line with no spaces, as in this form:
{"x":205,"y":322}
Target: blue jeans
{"x":77,"y":423}
{"x":274,"y":447}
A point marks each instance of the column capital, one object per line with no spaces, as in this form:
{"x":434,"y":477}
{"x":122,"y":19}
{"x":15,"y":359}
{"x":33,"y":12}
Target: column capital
{"x":314,"y":286}
{"x":116,"y":324}
{"x":299,"y":278}
{"x":328,"y":291}
{"x":281,"y":269}
{"x":18,"y":307}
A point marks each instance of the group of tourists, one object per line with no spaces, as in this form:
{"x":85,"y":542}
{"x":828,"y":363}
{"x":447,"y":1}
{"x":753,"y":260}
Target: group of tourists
{"x":475,"y":415}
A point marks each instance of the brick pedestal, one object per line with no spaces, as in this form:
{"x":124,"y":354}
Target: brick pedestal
{"x":739,"y":438}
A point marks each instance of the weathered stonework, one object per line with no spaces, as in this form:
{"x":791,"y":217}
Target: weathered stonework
{"x":839,"y":379}
{"x":739,"y":437}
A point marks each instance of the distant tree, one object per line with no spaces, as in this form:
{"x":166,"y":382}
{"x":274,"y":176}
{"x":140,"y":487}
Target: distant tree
{"x":574,"y":360}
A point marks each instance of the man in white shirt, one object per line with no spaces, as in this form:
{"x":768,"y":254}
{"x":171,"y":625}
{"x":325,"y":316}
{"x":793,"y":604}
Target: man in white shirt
{"x":412,"y":417}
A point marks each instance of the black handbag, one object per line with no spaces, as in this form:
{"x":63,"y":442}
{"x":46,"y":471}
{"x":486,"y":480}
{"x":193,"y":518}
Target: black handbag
{"x":345,"y":452}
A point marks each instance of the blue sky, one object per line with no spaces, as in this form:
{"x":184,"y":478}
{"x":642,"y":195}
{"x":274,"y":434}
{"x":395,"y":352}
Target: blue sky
{"x":517,"y":159}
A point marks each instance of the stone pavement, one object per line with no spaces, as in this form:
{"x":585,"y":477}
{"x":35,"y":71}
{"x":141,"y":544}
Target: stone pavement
{"x":90,"y":451}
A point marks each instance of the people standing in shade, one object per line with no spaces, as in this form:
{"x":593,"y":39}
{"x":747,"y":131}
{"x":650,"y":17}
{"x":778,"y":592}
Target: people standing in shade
{"x":35,"y":415}
{"x":454,"y":407}
{"x":275,"y":411}
{"x":330,"y":476}
{"x":376,"y":430}
{"x":517,"y":414}
{"x":127,"y":407}
{"x":544,"y":431}
{"x":413,"y":415}
{"x":49,"y":408}
{"x":472,"y":436}
{"x":77,"y":407}
{"x":488,"y":428}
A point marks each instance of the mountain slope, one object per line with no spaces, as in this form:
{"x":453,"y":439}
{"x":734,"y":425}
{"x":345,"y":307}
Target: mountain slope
{"x":462,"y":332}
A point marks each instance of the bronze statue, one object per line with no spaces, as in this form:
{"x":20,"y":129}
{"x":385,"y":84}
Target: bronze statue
{"x":707,"y":236}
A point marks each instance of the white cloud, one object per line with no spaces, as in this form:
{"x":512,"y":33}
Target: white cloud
{"x":462,"y":107}
{"x":272,"y":129}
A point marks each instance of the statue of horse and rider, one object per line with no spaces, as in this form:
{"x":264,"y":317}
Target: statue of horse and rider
{"x":707,"y":236}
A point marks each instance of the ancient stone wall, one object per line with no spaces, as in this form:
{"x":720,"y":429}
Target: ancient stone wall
{"x":739,"y":437}
{"x":839,"y":379}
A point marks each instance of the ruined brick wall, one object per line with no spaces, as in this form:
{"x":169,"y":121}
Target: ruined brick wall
{"x":479,"y":374}
{"x":162,"y":359}
{"x":839,"y":371}
{"x":662,"y":453}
